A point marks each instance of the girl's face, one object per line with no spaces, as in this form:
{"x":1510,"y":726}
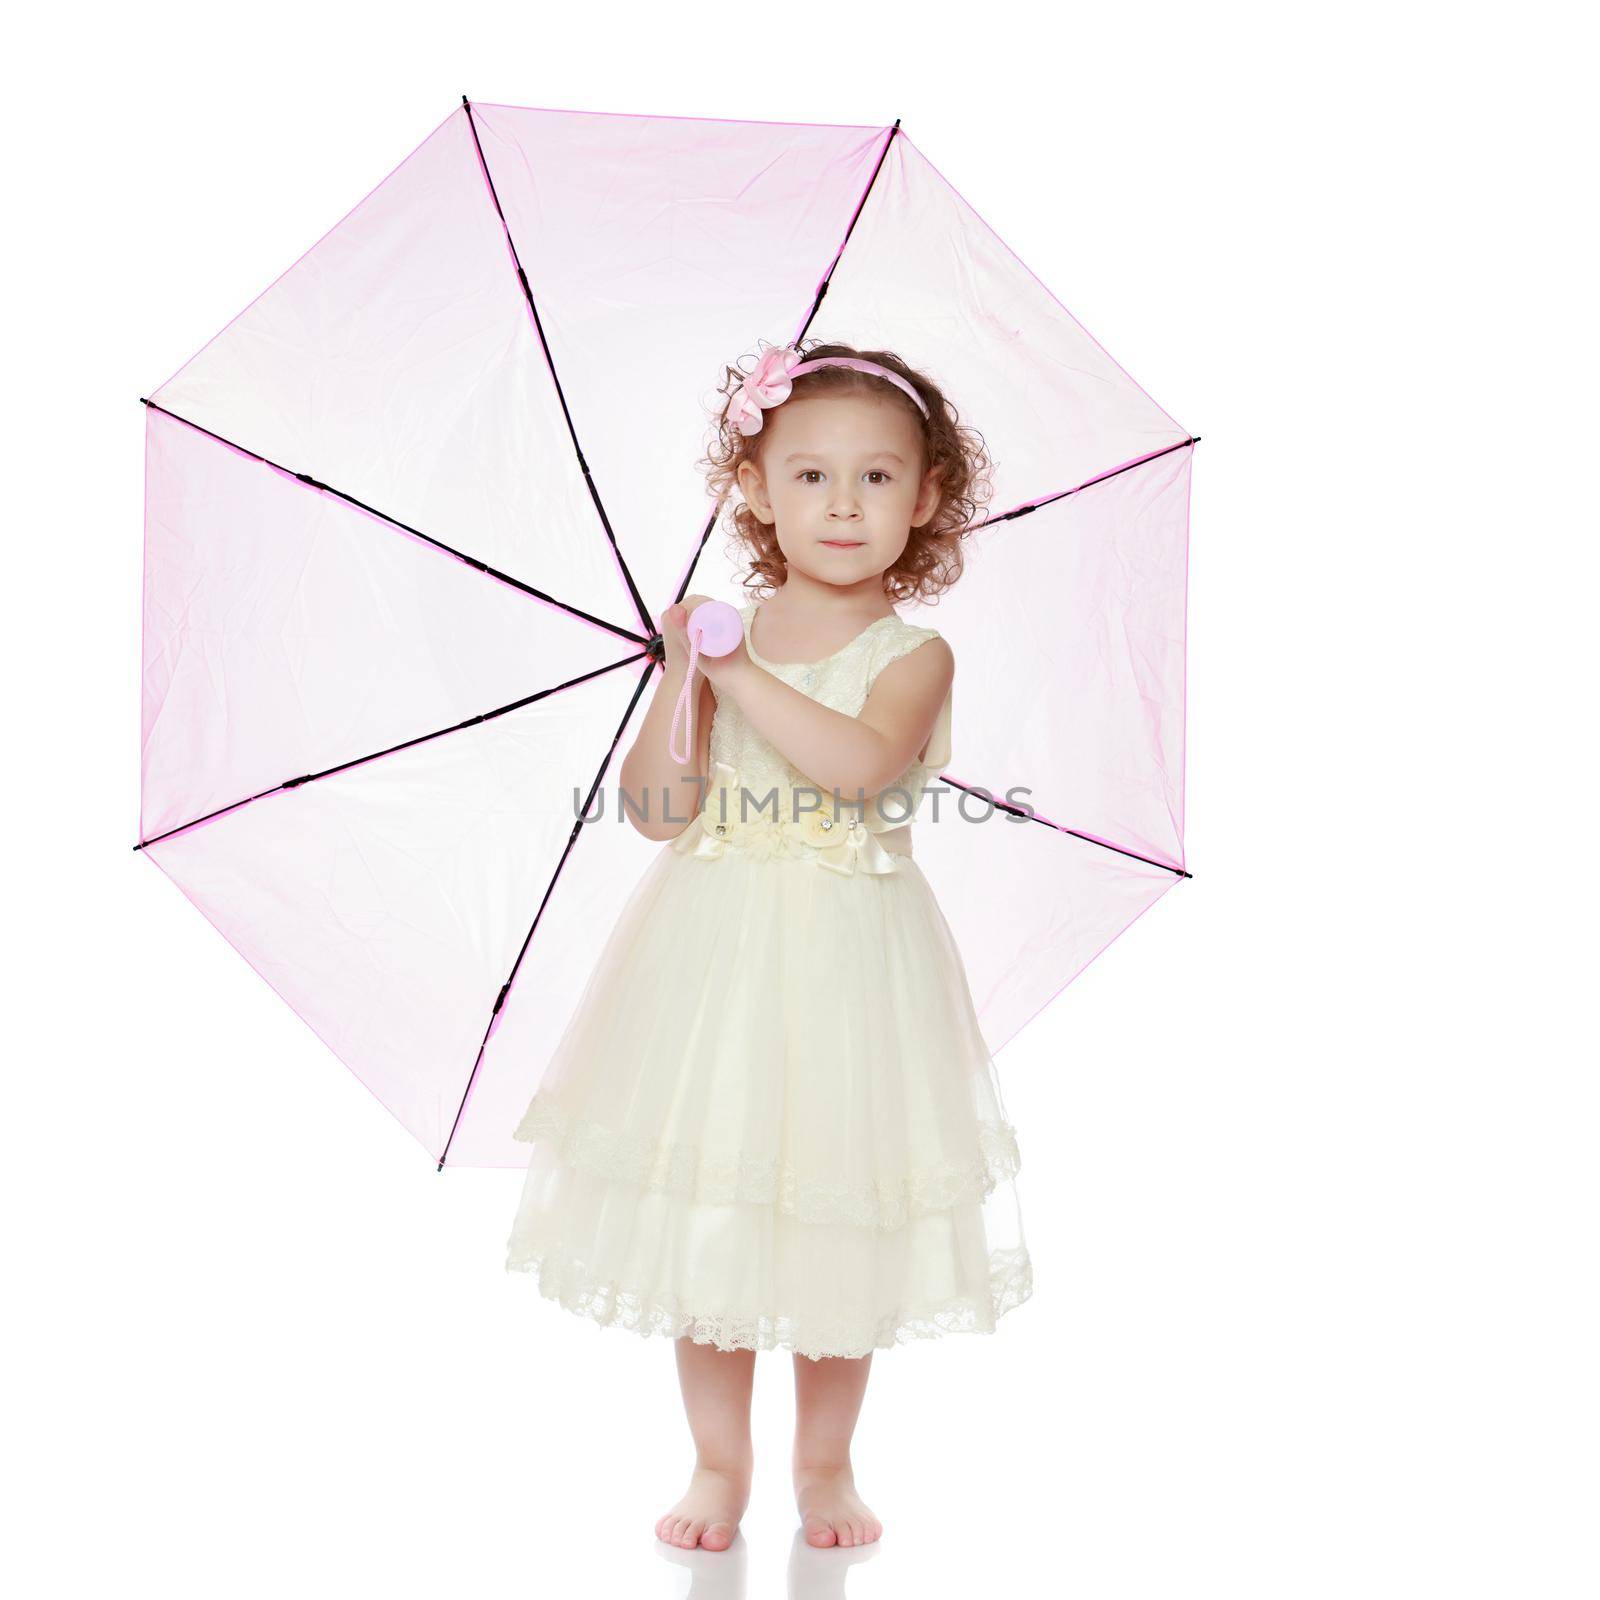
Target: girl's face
{"x":841,"y":482}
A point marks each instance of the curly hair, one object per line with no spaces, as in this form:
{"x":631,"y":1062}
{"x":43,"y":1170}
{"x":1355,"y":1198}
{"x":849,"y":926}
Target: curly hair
{"x":932,"y":559}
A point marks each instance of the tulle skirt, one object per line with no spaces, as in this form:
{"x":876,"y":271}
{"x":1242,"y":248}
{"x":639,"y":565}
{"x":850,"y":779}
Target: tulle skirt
{"x":772,"y":1120}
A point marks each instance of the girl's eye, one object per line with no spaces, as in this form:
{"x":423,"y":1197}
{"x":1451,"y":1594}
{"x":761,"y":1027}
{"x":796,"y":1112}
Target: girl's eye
{"x":872,"y":472}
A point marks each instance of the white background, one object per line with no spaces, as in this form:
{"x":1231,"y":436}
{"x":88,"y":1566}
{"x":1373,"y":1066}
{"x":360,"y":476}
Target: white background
{"x":1309,"y":1154}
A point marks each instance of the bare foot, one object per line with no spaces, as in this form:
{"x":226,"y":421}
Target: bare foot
{"x":708,"y":1514}
{"x":831,"y":1512}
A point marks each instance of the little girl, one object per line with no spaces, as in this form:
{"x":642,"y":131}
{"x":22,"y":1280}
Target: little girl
{"x":772,"y":1120}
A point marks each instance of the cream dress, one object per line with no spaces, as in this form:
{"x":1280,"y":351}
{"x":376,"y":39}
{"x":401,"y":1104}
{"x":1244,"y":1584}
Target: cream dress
{"x":772,"y":1120}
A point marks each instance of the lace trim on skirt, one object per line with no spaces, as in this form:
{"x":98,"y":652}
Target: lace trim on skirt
{"x":681,"y":1169}
{"x":566,"y":1280}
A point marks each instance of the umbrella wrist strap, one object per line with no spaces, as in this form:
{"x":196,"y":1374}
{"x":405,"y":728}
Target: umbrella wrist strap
{"x":685,"y":708}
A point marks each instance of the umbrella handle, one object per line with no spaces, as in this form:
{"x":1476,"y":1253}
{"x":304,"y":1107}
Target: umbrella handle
{"x":714,"y":629}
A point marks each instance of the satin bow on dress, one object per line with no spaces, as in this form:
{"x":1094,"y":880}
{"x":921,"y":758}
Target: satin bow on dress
{"x":842,"y":844}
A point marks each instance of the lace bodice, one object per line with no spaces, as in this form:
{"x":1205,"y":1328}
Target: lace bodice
{"x":842,"y":682}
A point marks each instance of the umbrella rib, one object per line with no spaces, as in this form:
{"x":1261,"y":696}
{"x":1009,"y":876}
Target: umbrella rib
{"x":423,"y":738}
{"x":405,"y":527}
{"x":538,"y":328}
{"x":705,"y":533}
{"x":511,"y":977}
{"x":1088,"y":483}
{"x":855,"y":216}
{"x":1061,"y":827}
{"x":822,"y":289}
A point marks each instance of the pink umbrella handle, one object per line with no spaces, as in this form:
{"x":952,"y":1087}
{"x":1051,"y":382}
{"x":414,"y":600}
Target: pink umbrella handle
{"x":714,"y":629}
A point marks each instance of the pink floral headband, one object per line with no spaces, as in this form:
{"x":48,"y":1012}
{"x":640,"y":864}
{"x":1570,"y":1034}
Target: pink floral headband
{"x":773,"y":380}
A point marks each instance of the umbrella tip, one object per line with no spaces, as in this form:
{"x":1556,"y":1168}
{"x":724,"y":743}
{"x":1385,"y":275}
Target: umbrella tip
{"x":143,"y":401}
{"x":465,"y":101}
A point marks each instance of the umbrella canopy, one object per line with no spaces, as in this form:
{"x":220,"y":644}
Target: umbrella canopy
{"x":411,"y":518}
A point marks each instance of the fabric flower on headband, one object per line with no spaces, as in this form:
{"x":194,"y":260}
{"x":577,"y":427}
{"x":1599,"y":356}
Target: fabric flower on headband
{"x":769,"y":385}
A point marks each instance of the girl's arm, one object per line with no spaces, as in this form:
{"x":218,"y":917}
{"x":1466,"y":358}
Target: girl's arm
{"x":661,"y":796}
{"x":858,"y":756}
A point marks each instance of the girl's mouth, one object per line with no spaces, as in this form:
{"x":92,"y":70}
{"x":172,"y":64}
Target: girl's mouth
{"x":844,"y":544}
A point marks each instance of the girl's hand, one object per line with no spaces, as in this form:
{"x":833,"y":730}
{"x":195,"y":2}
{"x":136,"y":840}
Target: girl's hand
{"x":674,"y":624}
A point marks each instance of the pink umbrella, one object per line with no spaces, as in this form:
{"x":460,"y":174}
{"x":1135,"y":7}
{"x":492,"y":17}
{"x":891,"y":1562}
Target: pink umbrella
{"x":412,"y":516}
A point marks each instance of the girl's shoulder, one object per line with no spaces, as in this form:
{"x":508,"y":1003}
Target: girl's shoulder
{"x":898,"y":638}
{"x":895,"y":640}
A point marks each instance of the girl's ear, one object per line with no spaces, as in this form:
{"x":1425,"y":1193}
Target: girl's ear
{"x":754,"y":489}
